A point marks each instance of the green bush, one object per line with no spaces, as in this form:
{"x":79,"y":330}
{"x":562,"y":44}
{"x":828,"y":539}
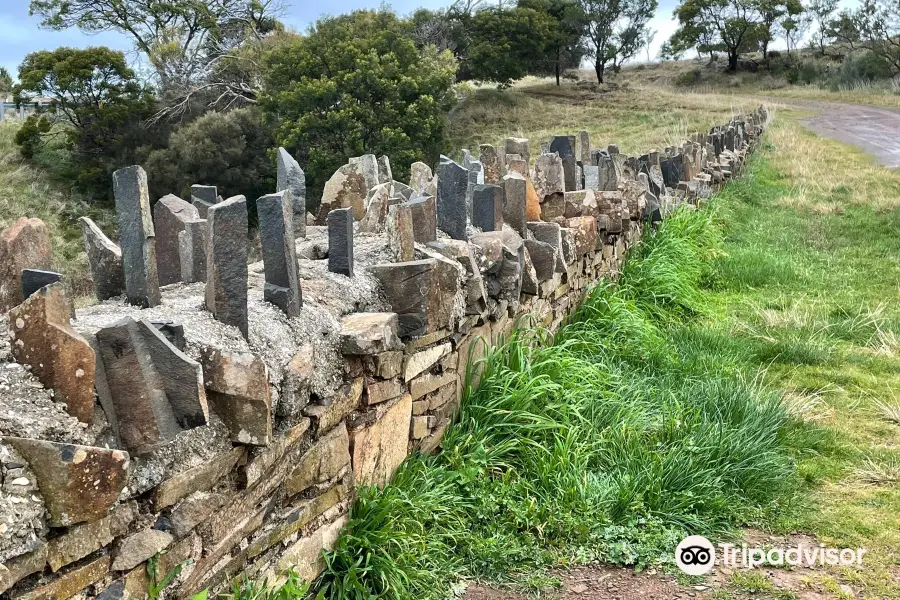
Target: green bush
{"x":867,"y":66}
{"x":357,"y":84}
{"x":810,"y":71}
{"x":689,"y":78}
{"x":228,"y":150}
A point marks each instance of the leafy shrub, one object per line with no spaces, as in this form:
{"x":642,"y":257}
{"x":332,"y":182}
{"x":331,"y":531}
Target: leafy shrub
{"x":357,"y":84}
{"x":228,"y":150}
{"x":689,"y":78}
{"x":810,"y":71}
{"x":867,"y":66}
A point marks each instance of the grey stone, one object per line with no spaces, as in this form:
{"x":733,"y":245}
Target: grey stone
{"x":544,"y":258}
{"x":403,"y":190}
{"x":487,"y":207}
{"x":591,"y":177}
{"x":549,"y":176}
{"x":515,"y":201}
{"x":35,"y":279}
{"x":226,"y":262}
{"x":192,"y":250}
{"x":476,"y":177}
{"x":570,"y":173}
{"x":424,"y":214}
{"x":156,"y":391}
{"x":453,"y":181}
{"x":517,"y":146}
{"x":105,"y":261}
{"x":564,"y":145}
{"x":583,"y":147}
{"x":377,"y":202}
{"x":291,"y":177}
{"x":137,"y":548}
{"x":169,"y":215}
{"x":421,"y":292}
{"x":368,"y":166}
{"x":136,"y":236}
{"x":550,"y":233}
{"x":385,"y":175}
{"x":203,"y":196}
{"x":340,"y":241}
{"x":282,"y":287}
{"x":608,"y":180}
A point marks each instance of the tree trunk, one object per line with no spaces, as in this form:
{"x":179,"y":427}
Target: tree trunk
{"x":765,"y":49}
{"x":599,"y":68}
{"x":732,"y":60}
{"x":557,"y":72}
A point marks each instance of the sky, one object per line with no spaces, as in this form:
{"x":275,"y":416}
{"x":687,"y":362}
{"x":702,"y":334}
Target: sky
{"x":20,"y":33}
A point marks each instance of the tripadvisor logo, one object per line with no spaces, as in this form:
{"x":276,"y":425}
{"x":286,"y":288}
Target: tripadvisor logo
{"x":696,"y":555}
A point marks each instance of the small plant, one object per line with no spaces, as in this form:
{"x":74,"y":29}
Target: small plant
{"x":889,"y":412}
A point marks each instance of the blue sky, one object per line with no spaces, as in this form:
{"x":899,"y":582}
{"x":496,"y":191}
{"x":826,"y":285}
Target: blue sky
{"x":20,"y":34}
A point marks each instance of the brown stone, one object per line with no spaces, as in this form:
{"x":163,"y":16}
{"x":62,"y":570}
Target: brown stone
{"x":427,"y":383}
{"x":192,"y":511}
{"x":424,"y":217}
{"x":345,"y":401}
{"x":81,"y":540}
{"x":199,"y":478}
{"x":419,"y":428}
{"x":532,"y":202}
{"x":238,"y":391}
{"x":401,"y":232}
{"x":264,"y":460}
{"x":140,"y":546}
{"x":105,"y":261}
{"x":60,"y":358}
{"x":421,"y":292}
{"x":322,"y":462}
{"x":25,"y":245}
{"x":388,"y":364}
{"x":78,"y":483}
{"x":70,"y":583}
{"x":347,"y":188}
{"x":369,"y":333}
{"x":20,"y":567}
{"x":305,"y":557}
{"x":378,"y":450}
{"x":585,"y":232}
{"x":382,"y":391}
{"x":424,"y":360}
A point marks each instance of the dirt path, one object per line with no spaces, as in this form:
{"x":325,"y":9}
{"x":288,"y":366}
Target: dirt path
{"x":875,"y":129}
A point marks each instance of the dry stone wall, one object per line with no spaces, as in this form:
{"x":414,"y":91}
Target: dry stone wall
{"x":219,"y":415}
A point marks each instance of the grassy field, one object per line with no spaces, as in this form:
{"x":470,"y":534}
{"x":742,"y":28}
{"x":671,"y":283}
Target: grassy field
{"x":27,"y":192}
{"x":755,"y":387}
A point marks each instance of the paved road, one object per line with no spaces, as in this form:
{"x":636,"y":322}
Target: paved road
{"x":873,"y":128}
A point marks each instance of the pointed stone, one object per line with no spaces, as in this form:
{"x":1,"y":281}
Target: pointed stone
{"x":424,"y":214}
{"x":105,"y":261}
{"x":61,"y":359}
{"x":608,"y":177}
{"x":169,"y":215}
{"x":192,"y":251}
{"x":77,"y":483}
{"x":487,"y":206}
{"x":493,"y":167}
{"x":136,"y":236}
{"x":453,"y":181}
{"x":202,"y":197}
{"x":226,"y":263}
{"x":377,"y":203}
{"x":25,"y":245}
{"x":400,"y":234}
{"x":368,"y":166}
{"x":347,"y":188}
{"x":583,"y":147}
{"x":340,"y":241}
{"x":282,"y":287}
{"x":549,"y":177}
{"x":385,"y":174}
{"x":291,"y":177}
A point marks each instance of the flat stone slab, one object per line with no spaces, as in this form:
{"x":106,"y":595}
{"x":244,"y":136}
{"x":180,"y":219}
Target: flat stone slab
{"x":226,"y":263}
{"x":137,"y":238}
{"x":369,"y":333}
{"x":282,"y":287}
{"x":78,"y":483}
{"x":104,"y":260}
{"x":169,"y":216}
{"x":290,"y":177}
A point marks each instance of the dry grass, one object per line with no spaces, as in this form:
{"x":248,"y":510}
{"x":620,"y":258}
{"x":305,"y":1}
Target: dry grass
{"x":27,"y":192}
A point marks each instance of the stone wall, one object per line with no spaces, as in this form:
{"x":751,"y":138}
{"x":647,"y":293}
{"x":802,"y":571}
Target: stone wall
{"x":224,"y":411}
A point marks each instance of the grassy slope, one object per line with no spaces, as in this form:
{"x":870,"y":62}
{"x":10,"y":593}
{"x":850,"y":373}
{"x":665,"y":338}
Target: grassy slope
{"x":27,"y":192}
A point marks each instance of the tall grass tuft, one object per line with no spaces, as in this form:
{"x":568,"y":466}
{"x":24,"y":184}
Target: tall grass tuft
{"x":610,"y":440}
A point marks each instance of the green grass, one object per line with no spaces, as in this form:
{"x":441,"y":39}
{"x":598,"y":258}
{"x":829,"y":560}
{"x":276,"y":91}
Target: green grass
{"x":609,"y":441}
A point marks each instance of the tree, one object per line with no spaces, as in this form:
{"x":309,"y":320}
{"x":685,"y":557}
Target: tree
{"x":794,"y":29}
{"x":647,"y":40}
{"x":821,"y":12}
{"x":6,"y":83}
{"x":564,"y":46}
{"x":508,"y":43}
{"x":874,"y":26}
{"x":737,"y":26}
{"x":614,"y":30}
{"x":99,"y":102}
{"x":228,"y":150}
{"x":772,"y":12}
{"x":183,"y":40}
{"x":357,"y":84}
